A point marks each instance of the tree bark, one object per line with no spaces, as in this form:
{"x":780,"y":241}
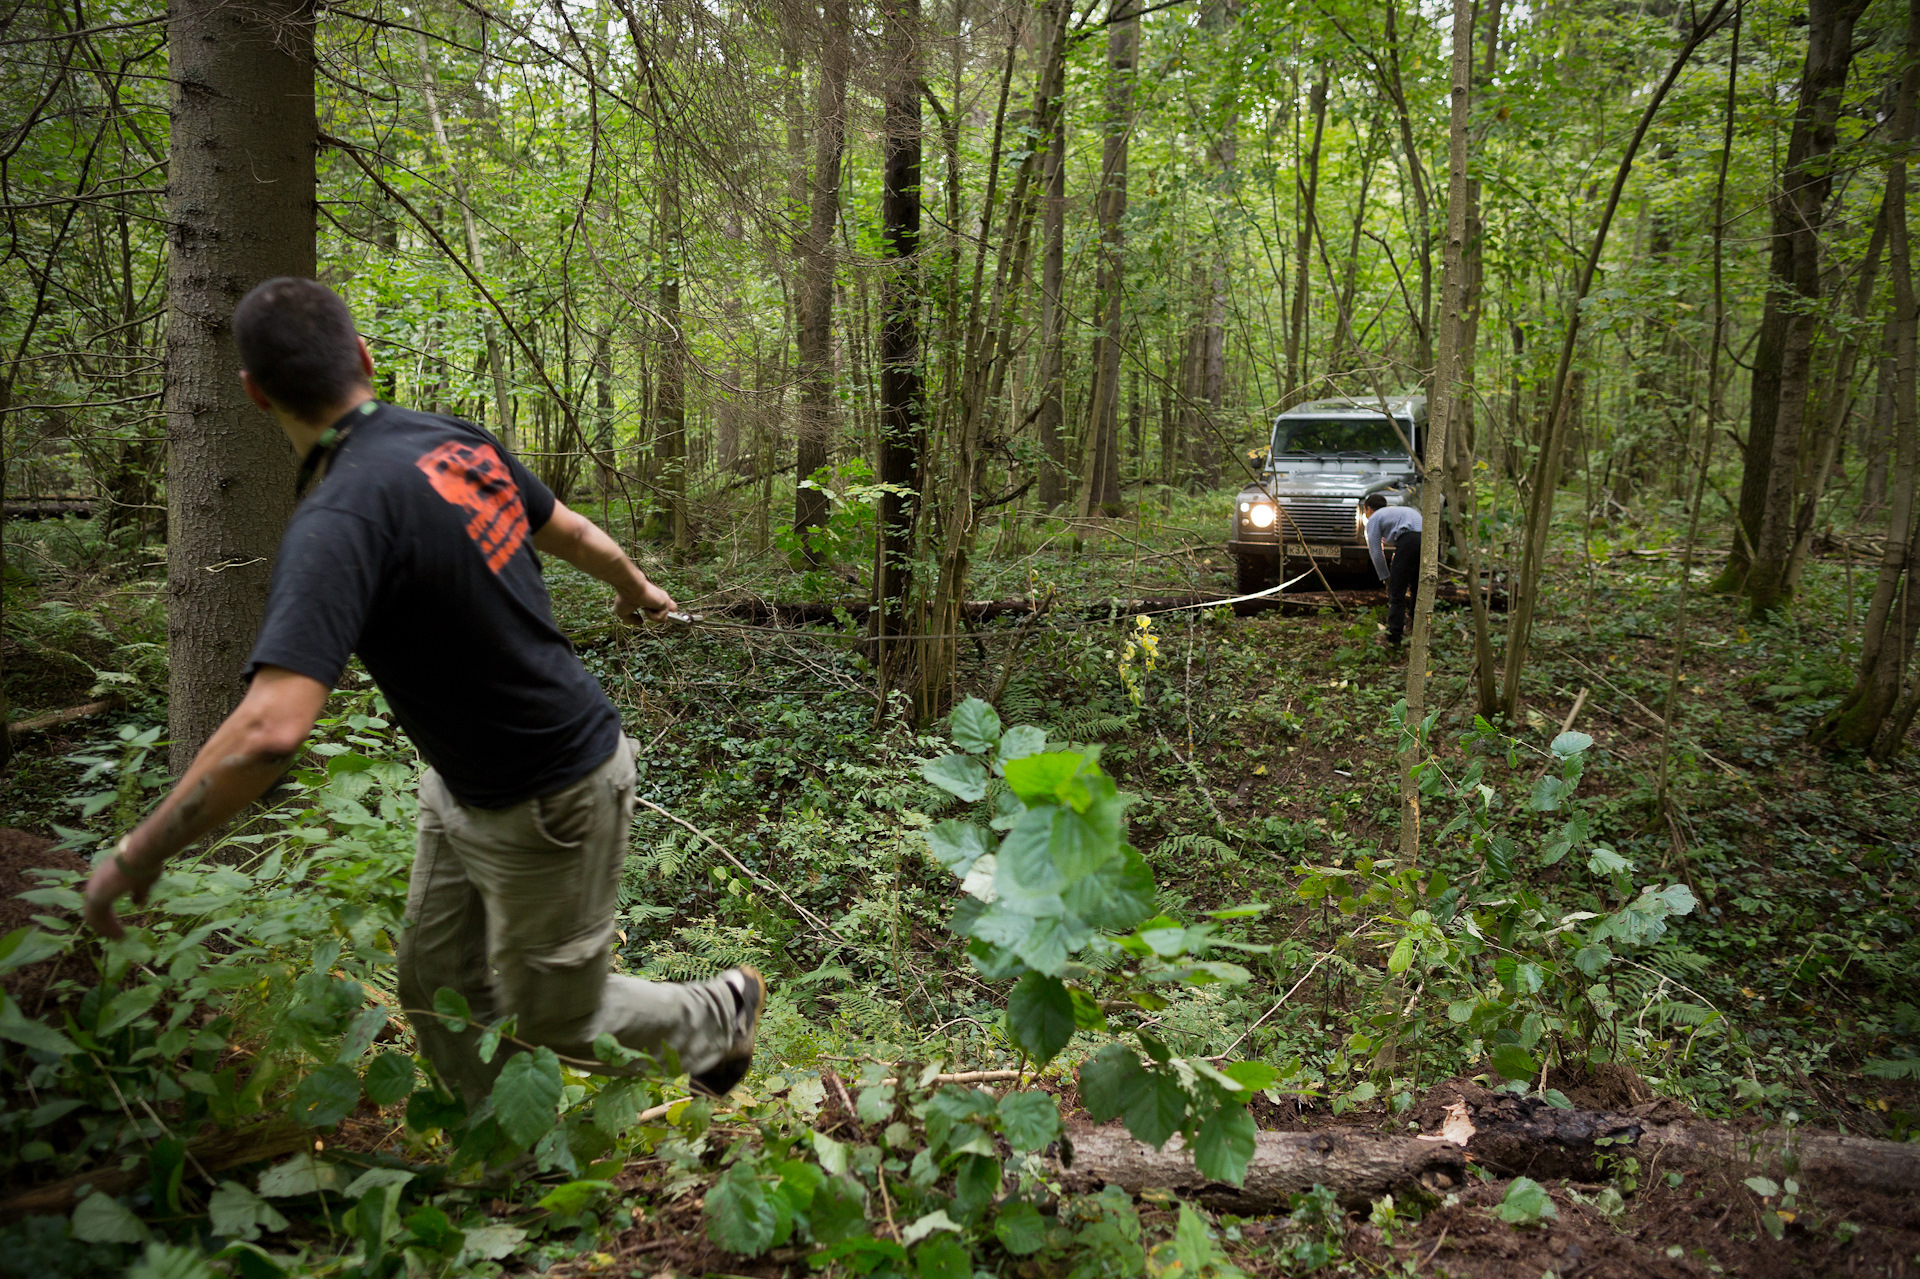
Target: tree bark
{"x":1101,"y":493}
{"x":1867,"y":718}
{"x":670,"y":429}
{"x":1448,"y":396}
{"x":1309,"y":197}
{"x":1357,"y":1166}
{"x":1051,"y":126}
{"x":1778,"y":393}
{"x":241,"y":205}
{"x":902,"y":432}
{"x":1836,"y":407}
{"x":814,"y":332}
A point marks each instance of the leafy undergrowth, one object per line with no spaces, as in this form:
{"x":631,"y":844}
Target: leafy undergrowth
{"x":1748,"y":952}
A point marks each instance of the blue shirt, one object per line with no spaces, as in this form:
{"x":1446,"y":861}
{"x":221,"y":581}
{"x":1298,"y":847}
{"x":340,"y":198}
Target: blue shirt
{"x":1383,"y":527}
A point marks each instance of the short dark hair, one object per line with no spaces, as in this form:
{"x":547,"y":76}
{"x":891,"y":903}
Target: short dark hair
{"x":1375,"y":501}
{"x":297,"y":340}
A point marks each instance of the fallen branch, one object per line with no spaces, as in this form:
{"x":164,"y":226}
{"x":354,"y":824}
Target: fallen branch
{"x":214,"y":1152}
{"x":52,"y":719}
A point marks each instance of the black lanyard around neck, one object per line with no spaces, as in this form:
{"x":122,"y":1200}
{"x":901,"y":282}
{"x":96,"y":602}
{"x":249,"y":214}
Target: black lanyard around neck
{"x":329,"y":442}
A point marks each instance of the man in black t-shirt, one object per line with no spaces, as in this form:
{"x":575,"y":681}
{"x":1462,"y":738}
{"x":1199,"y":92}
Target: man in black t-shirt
{"x":416,"y":551}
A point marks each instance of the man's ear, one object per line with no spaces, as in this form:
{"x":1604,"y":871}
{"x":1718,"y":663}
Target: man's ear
{"x":366,"y":359}
{"x":254,"y":392}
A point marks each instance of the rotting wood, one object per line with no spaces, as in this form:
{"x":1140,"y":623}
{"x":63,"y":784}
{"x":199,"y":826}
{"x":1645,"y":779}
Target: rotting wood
{"x":52,"y":719}
{"x":1357,"y":1166}
{"x":212,"y":1153}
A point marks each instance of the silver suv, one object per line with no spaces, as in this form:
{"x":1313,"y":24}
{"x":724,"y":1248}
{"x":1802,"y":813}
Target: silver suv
{"x":1324,"y":458}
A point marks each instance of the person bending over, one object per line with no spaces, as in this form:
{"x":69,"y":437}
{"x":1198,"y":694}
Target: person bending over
{"x":1396,"y":528}
{"x":416,"y":551}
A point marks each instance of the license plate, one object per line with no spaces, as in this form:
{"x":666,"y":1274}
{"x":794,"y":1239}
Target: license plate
{"x":1322,"y":552}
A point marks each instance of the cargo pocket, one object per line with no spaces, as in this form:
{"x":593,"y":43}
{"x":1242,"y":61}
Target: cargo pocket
{"x":565,"y":818}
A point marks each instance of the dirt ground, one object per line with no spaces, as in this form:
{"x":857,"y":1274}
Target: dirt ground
{"x":22,"y":853}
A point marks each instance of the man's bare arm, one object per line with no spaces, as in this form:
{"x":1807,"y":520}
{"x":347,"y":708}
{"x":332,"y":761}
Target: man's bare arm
{"x":571,"y":536}
{"x":245,"y":755}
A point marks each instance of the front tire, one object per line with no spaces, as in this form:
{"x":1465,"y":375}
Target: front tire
{"x":1253,"y":573}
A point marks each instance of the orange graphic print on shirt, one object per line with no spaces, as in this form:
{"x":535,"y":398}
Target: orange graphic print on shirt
{"x":472,"y":477}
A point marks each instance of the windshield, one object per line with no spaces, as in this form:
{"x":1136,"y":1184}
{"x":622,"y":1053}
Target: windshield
{"x":1361,"y":437}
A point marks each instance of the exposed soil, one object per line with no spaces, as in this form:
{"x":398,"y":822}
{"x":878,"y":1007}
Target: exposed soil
{"x":22,"y":853}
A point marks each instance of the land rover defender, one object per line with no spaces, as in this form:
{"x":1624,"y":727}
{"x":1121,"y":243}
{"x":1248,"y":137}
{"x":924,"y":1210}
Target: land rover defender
{"x":1324,"y":457}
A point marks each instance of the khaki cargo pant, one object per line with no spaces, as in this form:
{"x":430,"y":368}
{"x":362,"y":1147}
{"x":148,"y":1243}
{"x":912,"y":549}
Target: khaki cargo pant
{"x":514,"y":908}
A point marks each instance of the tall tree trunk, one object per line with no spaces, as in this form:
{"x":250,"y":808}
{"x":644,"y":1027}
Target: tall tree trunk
{"x":671,"y":428}
{"x":1102,"y":489}
{"x":240,"y":193}
{"x":1878,"y":434}
{"x":1836,"y":407}
{"x":1778,"y":396}
{"x":1051,"y":126}
{"x":1868,"y":719}
{"x":1448,"y":397}
{"x":814,"y":334}
{"x":1309,"y":186}
{"x":902,"y":432}
{"x":1417,"y":181}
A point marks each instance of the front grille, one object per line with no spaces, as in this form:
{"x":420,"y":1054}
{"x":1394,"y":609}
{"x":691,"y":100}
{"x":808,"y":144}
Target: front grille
{"x":1319,"y":519}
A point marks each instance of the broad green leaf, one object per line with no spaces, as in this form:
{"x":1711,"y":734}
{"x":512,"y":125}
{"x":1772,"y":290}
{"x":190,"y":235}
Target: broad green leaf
{"x":1040,"y":1016}
{"x":943,"y":1257}
{"x":239,"y":1213}
{"x":1117,"y":896}
{"x":1604,"y":861}
{"x":377,"y":1179}
{"x":1567,"y":745}
{"x":101,"y":1218}
{"x":1591,"y":959}
{"x":326,"y":1096}
{"x":1111,"y":1082}
{"x":1547,"y":793}
{"x":921,"y":1227}
{"x":22,"y":1029}
{"x":29,"y":945}
{"x":526,"y":1095}
{"x":570,"y":1198}
{"x":173,"y":1261}
{"x":1526,"y":1202}
{"x":1402,"y":957}
{"x":361,"y":1033}
{"x":1159,"y":1111}
{"x":389,"y":1078}
{"x":957,"y":845}
{"x":1021,"y":741}
{"x":976,"y":727}
{"x":839,"y":1209}
{"x":1514,"y":1062}
{"x":1252,"y":1076}
{"x":494,"y":1243}
{"x":127,"y":1007}
{"x":831,"y":1154}
{"x":741,"y":1216}
{"x":1043,"y":776}
{"x":958,"y":774}
{"x":1224,"y":1144}
{"x":1029,"y":1119}
{"x":1020,"y":1228}
{"x":451,"y":1005}
{"x":1765,"y":1187}
{"x":300,"y":1175}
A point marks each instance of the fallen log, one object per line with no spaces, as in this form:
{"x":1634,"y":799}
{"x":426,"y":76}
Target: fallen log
{"x":52,"y":719}
{"x":1523,"y":1136}
{"x":212,"y":1153}
{"x":46,"y":508}
{"x":1357,"y":1166}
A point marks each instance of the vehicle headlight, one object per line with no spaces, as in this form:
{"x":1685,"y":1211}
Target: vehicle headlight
{"x":1261,"y":515}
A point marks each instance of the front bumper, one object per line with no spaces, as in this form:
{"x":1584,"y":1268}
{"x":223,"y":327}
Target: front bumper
{"x":1346,"y":557}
